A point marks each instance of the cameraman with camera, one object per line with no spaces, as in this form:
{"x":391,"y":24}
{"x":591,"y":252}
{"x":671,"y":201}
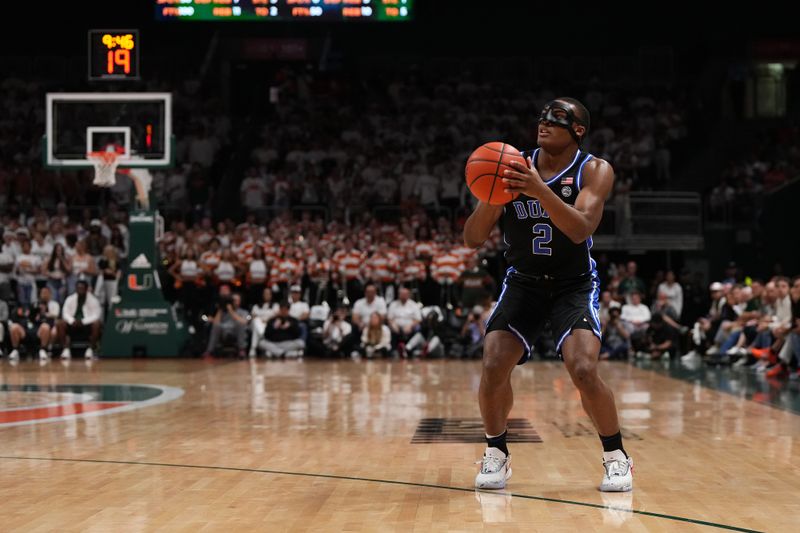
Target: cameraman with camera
{"x":230,"y":319}
{"x":615,"y":336}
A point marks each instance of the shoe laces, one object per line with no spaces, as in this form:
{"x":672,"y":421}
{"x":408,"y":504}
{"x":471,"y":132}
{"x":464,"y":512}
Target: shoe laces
{"x":616,"y":467}
{"x":490,"y":464}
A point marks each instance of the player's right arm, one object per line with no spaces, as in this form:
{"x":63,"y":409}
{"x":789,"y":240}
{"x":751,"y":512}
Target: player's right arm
{"x":480,"y":223}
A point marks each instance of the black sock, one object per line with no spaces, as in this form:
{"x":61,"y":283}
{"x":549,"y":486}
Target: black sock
{"x":498,"y":442}
{"x":613,"y":442}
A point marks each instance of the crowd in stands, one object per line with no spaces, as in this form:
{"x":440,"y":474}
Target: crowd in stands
{"x":772,"y":159}
{"x":335,"y":281}
{"x":299,"y":286}
{"x":58,"y":277}
{"x":398,"y":141}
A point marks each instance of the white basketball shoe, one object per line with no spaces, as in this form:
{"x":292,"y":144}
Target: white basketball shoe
{"x":495,"y":470}
{"x":618,"y":476}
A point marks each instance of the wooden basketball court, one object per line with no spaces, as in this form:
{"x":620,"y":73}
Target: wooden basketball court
{"x":375,"y":446}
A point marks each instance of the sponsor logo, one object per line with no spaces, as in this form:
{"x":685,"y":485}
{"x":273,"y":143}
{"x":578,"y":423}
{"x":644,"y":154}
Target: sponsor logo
{"x":140,"y":313}
{"x":126,"y":327}
{"x":133,"y":284}
{"x":141,"y":262}
{"x":566,"y":191}
{"x":141,"y":218}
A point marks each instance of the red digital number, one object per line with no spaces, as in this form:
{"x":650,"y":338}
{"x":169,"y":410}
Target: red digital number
{"x":118,"y":58}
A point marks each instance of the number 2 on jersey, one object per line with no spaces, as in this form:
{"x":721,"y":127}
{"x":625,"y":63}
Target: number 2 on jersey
{"x":543,"y":235}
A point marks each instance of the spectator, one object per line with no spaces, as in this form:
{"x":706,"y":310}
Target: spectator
{"x":80,"y":317}
{"x":404,"y":318}
{"x":635,"y":315}
{"x":616,"y":337}
{"x":376,"y":338}
{"x":368,"y":305}
{"x":335,"y":330}
{"x":475,"y":282}
{"x":282,"y":336}
{"x":253,"y":190}
{"x":663,"y":308}
{"x":673,"y":291}
{"x":57,"y":269}
{"x":230,"y":319}
{"x":789,"y":353}
{"x":226,"y":271}
{"x":606,"y":304}
{"x":27,"y":266}
{"x":636,"y":318}
{"x":189,"y":283}
{"x":257,"y":273}
{"x":95,"y":241}
{"x":631,"y":283}
{"x":83,"y":267}
{"x":42,"y":249}
{"x":661,"y":336}
{"x":110,"y":272}
{"x":297,"y":307}
{"x":261,"y":315}
{"x":37,"y":321}
{"x":473,"y":332}
{"x":706,"y":326}
{"x":4,"y":315}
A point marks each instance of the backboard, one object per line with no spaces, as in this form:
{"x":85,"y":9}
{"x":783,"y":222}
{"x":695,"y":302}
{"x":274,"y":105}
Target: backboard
{"x":81,"y":123}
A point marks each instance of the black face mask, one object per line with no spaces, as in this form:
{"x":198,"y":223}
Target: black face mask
{"x":567,"y":121}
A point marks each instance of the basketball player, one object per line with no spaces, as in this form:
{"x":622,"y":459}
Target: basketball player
{"x":548,"y":229}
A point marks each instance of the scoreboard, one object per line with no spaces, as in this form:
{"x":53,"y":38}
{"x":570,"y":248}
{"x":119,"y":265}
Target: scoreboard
{"x":284,"y":10}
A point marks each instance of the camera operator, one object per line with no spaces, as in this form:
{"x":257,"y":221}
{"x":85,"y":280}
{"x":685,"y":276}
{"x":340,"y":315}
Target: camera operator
{"x":230,"y":319}
{"x":615,"y":336}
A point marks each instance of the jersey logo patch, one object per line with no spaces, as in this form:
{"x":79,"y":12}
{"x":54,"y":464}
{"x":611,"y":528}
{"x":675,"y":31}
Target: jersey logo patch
{"x":567,"y":180}
{"x":566,"y":191}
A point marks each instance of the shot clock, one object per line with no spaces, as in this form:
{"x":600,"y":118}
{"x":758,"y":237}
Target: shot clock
{"x":113,"y":55}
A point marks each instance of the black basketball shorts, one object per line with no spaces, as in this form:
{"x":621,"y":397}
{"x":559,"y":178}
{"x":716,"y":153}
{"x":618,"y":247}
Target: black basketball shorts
{"x":526,"y":303}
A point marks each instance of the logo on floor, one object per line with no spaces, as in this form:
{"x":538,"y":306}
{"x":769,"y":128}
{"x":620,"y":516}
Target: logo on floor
{"x":35,"y":404}
{"x":469,"y":430}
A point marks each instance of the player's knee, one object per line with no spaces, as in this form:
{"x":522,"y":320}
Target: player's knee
{"x":495,"y":367}
{"x":584,"y":372}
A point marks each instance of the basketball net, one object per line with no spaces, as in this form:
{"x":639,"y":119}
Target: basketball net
{"x":106,"y":163}
{"x":105,"y":167}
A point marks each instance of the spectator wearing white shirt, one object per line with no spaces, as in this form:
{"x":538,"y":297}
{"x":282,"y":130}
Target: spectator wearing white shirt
{"x":26,"y":267}
{"x":41,"y":249}
{"x":297,"y":307}
{"x":404,"y":318}
{"x":79,"y":317}
{"x":376,"y":339}
{"x":366,"y":306}
{"x":674,"y":292}
{"x":635,"y":315}
{"x":261,"y":314}
{"x":253,"y":190}
{"x":335,"y":330}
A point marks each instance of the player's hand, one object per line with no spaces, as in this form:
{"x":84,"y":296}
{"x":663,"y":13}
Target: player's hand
{"x":524,"y":179}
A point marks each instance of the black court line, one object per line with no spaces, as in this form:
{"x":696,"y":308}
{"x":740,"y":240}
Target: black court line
{"x":391,"y":482}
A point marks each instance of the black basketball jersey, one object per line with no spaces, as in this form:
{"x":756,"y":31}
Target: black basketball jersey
{"x":535,"y":245}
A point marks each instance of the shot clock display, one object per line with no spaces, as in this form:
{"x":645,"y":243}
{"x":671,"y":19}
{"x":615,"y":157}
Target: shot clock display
{"x":113,"y":54}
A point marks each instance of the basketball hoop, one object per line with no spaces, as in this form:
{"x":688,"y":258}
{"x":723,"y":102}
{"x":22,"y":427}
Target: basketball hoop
{"x":105,"y":167}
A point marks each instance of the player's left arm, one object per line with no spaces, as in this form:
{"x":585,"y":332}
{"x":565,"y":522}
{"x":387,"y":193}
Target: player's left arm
{"x":577,"y":222}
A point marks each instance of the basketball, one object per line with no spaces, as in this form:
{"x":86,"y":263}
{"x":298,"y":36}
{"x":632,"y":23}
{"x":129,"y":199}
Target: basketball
{"x":484,"y":172}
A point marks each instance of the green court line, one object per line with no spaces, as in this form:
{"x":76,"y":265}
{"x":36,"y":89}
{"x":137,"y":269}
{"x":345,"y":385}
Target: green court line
{"x":391,"y":482}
